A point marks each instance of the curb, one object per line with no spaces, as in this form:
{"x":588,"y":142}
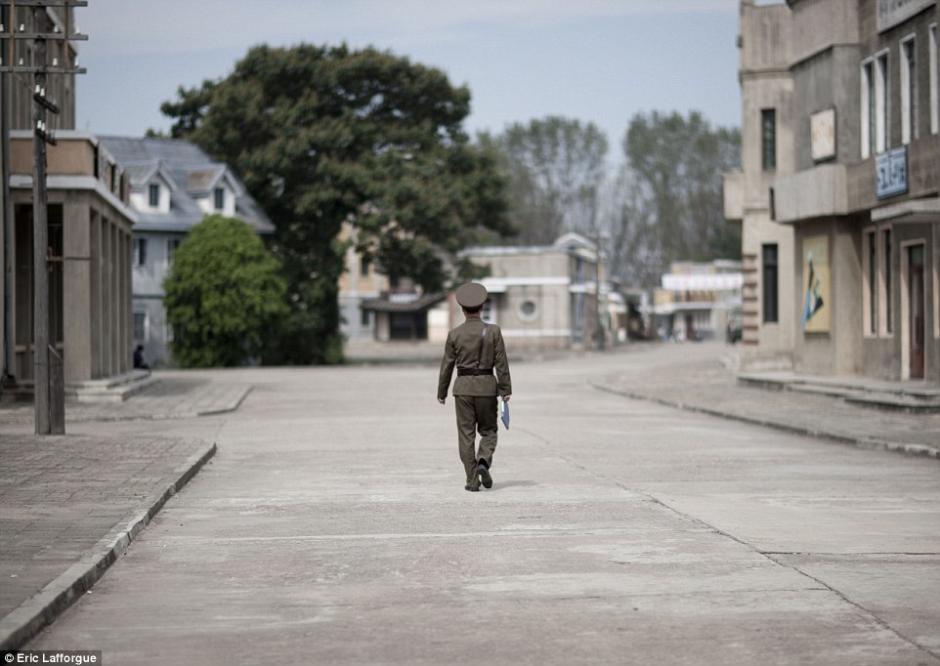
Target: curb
{"x":864,"y":443}
{"x":230,"y":407}
{"x":25,"y":621}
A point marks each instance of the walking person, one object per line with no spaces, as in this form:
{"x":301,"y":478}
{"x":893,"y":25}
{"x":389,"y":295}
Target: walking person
{"x":475,"y":348}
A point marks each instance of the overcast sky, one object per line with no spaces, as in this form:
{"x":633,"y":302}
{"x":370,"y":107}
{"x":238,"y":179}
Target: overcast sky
{"x":597,"y":60}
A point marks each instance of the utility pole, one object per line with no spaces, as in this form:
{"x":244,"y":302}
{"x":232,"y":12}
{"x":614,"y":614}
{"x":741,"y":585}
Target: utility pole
{"x":48,"y":375}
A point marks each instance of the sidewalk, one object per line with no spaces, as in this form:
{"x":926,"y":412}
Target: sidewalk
{"x":70,"y":506}
{"x":694,"y":377}
{"x":176,"y":395}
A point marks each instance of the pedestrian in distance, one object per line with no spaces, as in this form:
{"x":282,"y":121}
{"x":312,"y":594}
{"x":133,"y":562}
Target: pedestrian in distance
{"x":475,"y":348}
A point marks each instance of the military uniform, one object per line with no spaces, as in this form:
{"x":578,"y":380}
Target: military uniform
{"x":475,"y":348}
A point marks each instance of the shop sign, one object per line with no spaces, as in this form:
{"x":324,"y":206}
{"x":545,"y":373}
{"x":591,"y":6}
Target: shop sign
{"x":891,"y":173}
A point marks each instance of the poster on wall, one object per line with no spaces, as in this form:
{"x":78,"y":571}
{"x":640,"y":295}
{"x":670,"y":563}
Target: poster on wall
{"x":817,"y":305}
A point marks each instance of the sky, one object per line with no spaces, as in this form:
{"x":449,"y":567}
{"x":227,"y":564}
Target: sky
{"x":594,"y":60}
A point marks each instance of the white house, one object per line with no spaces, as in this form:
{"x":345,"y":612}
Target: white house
{"x":173,"y":186}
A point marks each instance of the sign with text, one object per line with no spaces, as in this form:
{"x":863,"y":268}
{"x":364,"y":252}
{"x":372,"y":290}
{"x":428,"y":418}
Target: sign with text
{"x":822,"y":129}
{"x":891,"y":173}
{"x":892,"y":12}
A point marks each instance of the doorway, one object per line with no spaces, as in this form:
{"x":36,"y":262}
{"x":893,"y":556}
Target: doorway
{"x":917,"y":320}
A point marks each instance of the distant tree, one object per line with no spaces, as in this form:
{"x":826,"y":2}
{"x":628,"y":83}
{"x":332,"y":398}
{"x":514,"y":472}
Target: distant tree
{"x":323,"y":136}
{"x":224,"y":294}
{"x":153,"y":133}
{"x":556,"y":169}
{"x":670,"y":205}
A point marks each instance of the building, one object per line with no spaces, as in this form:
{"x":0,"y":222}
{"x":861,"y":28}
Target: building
{"x":547,"y":296}
{"x":541,"y":296}
{"x":173,"y":185}
{"x":767,"y":329}
{"x":89,"y":225}
{"x":696,"y":300}
{"x":862,"y":198}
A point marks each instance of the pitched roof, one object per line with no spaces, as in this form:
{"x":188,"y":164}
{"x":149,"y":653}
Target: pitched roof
{"x":191,"y":174}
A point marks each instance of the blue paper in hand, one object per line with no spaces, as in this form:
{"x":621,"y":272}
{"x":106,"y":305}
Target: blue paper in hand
{"x":504,"y":413}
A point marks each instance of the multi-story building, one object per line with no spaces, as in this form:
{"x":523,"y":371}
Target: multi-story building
{"x":862,"y":199}
{"x":173,"y":185}
{"x":540,"y":296}
{"x":89,"y":227}
{"x":697,"y":299}
{"x":547,"y":296}
{"x":766,"y":152}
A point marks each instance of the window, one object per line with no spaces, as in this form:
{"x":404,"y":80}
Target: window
{"x":140,"y":327}
{"x":527,"y":310}
{"x":171,"y":246}
{"x":364,"y":266}
{"x":219,"y":195}
{"x":869,"y":98}
{"x":770,"y":289}
{"x":870,"y":251}
{"x":140,"y":251}
{"x":154,"y":192}
{"x":768,"y":128}
{"x":364,"y":318}
{"x":934,"y":83}
{"x":908,"y":91}
{"x":881,"y":102}
{"x":888,"y":325}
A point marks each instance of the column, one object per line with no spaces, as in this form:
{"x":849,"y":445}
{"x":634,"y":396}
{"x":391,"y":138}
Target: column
{"x":106,"y":298}
{"x":78,"y":284}
{"x":115,"y":350}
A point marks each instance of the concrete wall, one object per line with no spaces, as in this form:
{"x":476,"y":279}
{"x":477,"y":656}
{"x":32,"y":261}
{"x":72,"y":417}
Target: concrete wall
{"x":839,"y":350}
{"x":827,"y":80}
{"x":766,"y":83}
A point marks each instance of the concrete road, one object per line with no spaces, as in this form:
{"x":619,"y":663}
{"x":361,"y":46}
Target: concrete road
{"x":333,"y":528}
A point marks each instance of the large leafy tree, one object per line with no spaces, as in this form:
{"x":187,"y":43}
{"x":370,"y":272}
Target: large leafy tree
{"x":556,"y":168}
{"x":670,"y":204}
{"x":327,"y":135}
{"x":224,"y":292}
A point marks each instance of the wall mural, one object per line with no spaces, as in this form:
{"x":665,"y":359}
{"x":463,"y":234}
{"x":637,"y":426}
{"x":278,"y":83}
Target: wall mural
{"x":816,"y":280}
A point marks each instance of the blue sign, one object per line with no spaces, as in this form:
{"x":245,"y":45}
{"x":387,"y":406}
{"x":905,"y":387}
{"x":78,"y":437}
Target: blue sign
{"x":891,"y":173}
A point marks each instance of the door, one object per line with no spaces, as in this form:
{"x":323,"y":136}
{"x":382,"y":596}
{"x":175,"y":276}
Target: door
{"x":916,"y":297}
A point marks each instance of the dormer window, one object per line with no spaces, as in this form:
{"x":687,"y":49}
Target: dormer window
{"x":154,"y":194}
{"x":219,"y":194}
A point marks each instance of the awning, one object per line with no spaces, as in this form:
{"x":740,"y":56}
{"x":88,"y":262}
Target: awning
{"x":402,"y":302}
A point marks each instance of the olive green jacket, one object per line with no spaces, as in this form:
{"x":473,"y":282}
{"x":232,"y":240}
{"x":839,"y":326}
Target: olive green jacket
{"x":475,"y":344}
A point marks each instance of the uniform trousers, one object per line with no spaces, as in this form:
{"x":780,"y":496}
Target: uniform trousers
{"x":475,"y":413}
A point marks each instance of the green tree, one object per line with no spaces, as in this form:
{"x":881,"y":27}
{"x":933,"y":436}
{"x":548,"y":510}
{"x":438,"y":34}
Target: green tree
{"x":323,"y":136}
{"x":224,"y":293}
{"x":670,"y":207}
{"x":556,"y":169}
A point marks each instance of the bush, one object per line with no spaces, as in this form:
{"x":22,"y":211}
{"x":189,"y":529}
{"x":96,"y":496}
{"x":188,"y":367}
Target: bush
{"x":224,"y":295}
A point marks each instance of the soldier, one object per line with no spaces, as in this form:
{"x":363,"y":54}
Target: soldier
{"x":475,"y":347}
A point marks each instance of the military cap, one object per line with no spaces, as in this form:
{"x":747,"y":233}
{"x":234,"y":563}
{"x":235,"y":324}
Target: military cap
{"x":471,"y":295}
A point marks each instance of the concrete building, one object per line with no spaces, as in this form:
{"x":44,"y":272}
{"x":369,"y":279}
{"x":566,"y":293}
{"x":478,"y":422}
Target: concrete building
{"x":766,"y":152}
{"x":862,"y":198}
{"x":697,"y":299}
{"x":173,"y":185}
{"x":541,"y":296}
{"x":89,"y":224}
{"x":546,"y":296}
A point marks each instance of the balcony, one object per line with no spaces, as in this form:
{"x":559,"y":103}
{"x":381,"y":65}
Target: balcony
{"x":813,"y":193}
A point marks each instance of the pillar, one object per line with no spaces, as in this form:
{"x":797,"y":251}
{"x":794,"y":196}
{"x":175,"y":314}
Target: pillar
{"x":78,"y":284}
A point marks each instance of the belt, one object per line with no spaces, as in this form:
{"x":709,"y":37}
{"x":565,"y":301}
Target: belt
{"x":474,"y":372}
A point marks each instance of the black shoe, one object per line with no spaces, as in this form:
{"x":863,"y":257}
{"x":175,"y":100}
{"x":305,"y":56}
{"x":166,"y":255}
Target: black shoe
{"x":472,"y":487}
{"x":484,"y":473}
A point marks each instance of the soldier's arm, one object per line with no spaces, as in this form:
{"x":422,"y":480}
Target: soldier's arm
{"x":447,"y":368}
{"x":501,"y":363}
